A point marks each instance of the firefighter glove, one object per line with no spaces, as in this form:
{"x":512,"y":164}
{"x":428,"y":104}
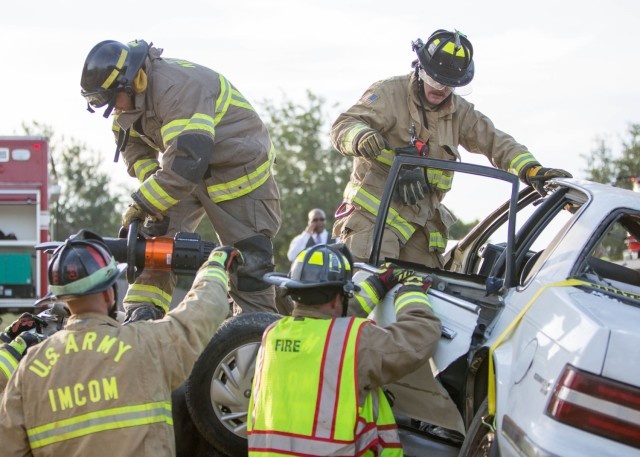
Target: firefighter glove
{"x":24,"y":341}
{"x":133,"y":212}
{"x":226,"y":257}
{"x":416,"y":283}
{"x":390,"y":275}
{"x":25,"y":322}
{"x":411,"y":186}
{"x":536,"y":176}
{"x":370,"y":144}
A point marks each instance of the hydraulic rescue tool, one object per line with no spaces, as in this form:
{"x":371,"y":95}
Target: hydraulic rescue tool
{"x":182,"y":254}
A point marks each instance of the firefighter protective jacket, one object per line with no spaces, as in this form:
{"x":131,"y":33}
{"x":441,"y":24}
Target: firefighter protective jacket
{"x":103,"y":389}
{"x":205,"y":130}
{"x":394,"y":108}
{"x":369,"y":356}
{"x":9,"y":359}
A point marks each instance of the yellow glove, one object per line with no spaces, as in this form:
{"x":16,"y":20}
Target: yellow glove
{"x":537,"y":176}
{"x":133,"y":212}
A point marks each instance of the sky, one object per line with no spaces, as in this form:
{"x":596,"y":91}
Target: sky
{"x":556,"y":75}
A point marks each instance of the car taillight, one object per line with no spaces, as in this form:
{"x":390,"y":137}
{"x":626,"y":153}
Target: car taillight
{"x":597,"y":405}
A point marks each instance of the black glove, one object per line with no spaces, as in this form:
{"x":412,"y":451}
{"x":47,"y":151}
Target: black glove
{"x":416,"y":284}
{"x":227,"y":257}
{"x":22,"y":342}
{"x":411,"y":186}
{"x":536,"y":176}
{"x":370,"y":144}
{"x":25,"y":322}
{"x":390,"y":275}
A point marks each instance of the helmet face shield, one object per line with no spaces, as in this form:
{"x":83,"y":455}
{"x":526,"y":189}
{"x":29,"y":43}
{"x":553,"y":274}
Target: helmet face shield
{"x":98,"y":98}
{"x":431,"y":82}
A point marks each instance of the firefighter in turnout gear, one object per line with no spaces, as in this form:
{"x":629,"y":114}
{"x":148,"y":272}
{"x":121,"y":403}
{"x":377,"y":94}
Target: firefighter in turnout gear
{"x":418,"y":114}
{"x":20,"y":335}
{"x":197,"y":147}
{"x":327,"y":353}
{"x":100,"y":388}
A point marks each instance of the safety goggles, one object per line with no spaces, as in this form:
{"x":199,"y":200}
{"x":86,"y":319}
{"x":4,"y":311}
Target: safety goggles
{"x":99,"y":97}
{"x":431,"y":82}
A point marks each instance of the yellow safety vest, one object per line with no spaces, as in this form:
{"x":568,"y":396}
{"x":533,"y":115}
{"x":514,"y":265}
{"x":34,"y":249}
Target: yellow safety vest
{"x":313,"y":410}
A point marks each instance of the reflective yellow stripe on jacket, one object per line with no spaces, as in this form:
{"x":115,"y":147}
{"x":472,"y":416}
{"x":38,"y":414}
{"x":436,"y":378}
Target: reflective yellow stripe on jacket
{"x":370,"y":203}
{"x":519,"y":162}
{"x":99,"y":421}
{"x":245,"y":184}
{"x":328,"y":420}
{"x":141,"y":293}
{"x":228,"y":96}
{"x":8,"y":363}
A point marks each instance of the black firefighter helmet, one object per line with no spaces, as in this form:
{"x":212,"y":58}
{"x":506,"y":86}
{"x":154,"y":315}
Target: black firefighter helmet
{"x":109,"y":67}
{"x":447,"y":57}
{"x":317,"y":274}
{"x":83,"y":265}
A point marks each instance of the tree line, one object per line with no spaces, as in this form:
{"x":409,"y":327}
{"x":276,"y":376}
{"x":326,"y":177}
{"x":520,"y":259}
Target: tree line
{"x":309,"y":172}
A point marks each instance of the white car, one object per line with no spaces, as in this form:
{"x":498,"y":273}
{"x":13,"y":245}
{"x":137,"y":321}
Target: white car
{"x":540,"y":348}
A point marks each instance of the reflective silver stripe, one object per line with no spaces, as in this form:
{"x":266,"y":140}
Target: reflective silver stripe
{"x":98,"y":421}
{"x":309,"y":446}
{"x":298,"y":445}
{"x":323,"y":442}
{"x":330,"y":373}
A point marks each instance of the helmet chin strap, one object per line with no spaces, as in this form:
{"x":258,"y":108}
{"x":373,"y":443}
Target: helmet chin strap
{"x":113,"y":311}
{"x":110,"y":106}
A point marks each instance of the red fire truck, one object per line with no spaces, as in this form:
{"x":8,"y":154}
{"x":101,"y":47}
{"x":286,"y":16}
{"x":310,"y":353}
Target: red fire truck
{"x":24,"y":220}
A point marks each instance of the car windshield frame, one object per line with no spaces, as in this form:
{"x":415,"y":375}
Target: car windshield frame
{"x":460,"y":167}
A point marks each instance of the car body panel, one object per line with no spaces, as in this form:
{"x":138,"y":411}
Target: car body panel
{"x":560,"y":311}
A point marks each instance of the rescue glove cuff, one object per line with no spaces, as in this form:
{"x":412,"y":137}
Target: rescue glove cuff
{"x":411,"y":186}
{"x":370,"y":144}
{"x":416,"y":283}
{"x":25,"y":322}
{"x":226,"y":257}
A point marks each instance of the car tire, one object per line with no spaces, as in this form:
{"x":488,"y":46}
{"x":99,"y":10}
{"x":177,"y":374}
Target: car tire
{"x":219,"y":387}
{"x":480,"y":440}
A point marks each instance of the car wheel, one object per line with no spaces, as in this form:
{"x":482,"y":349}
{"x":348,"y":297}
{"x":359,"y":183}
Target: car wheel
{"x":480,"y":440}
{"x":219,"y":386}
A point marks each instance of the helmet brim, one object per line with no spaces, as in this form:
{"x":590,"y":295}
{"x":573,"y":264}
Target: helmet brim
{"x":451,"y":82}
{"x":284,"y":281}
{"x":120,"y":269}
